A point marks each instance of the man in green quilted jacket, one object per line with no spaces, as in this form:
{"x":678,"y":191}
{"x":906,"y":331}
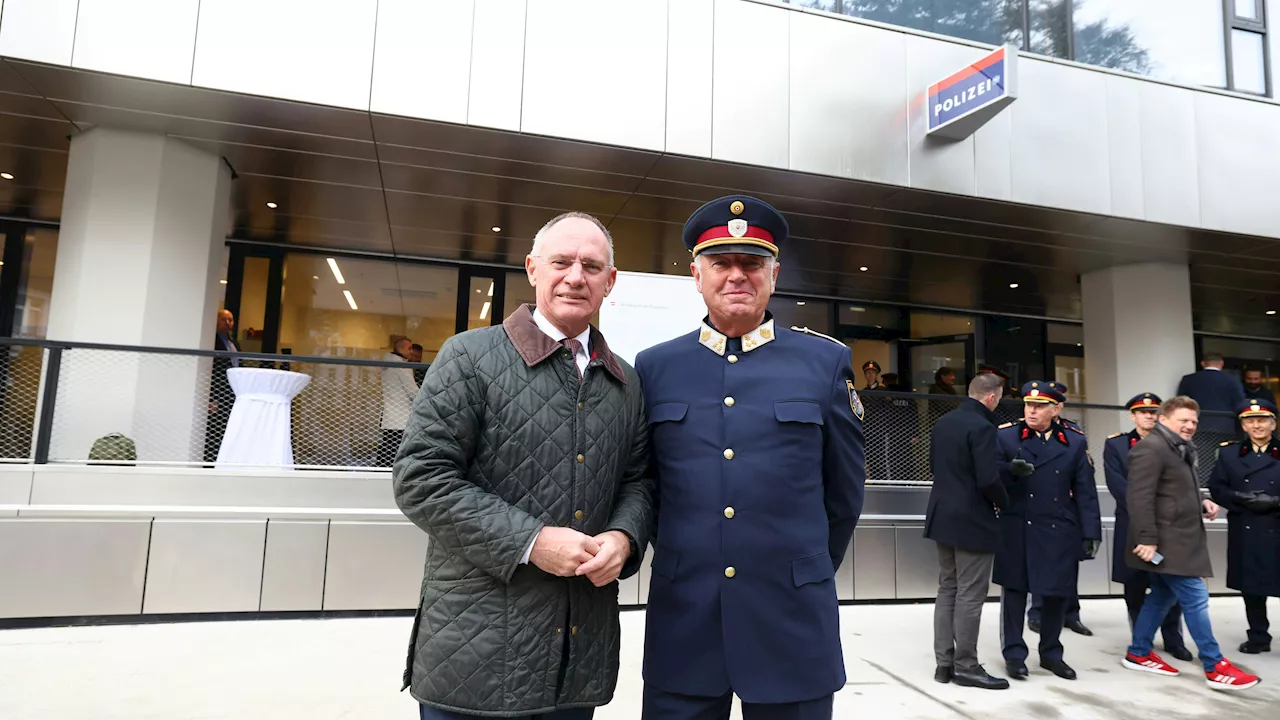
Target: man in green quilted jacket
{"x":525,"y":460}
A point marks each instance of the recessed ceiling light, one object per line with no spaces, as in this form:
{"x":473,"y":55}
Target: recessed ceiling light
{"x":272,"y":205}
{"x":1271,"y":312}
{"x":6,"y":176}
{"x":490,"y":289}
{"x":863,"y":268}
{"x":484,"y":311}
{"x":1013,"y":286}
{"x":799,"y":302}
{"x":1079,"y":344}
{"x":858,"y":309}
{"x":315,"y":277}
{"x":224,"y":282}
{"x":350,"y":300}
{"x":495,"y":228}
{"x":337,"y":274}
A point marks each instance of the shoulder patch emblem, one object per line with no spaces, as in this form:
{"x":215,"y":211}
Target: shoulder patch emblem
{"x":855,"y":402}
{"x":815,"y":333}
{"x":1006,"y":425}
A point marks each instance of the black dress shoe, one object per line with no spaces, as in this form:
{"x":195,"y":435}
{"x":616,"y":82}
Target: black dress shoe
{"x":1250,"y":647}
{"x":1033,"y":626}
{"x":1017,"y":670}
{"x":1181,"y":653}
{"x":1078,"y":628}
{"x":1059,"y":668}
{"x":978,"y":677}
{"x":942,"y":674}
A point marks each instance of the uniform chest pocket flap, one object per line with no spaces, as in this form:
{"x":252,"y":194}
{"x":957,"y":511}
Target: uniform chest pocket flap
{"x":668,"y":412}
{"x":798,"y":411}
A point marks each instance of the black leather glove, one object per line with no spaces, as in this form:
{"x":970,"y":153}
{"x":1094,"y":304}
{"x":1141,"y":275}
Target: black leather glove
{"x":1091,"y":548}
{"x":1262,"y":503}
{"x":1020,"y":467}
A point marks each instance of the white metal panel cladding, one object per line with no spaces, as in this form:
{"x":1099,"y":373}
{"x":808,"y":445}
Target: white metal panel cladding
{"x":941,"y":165}
{"x":293,"y":568}
{"x":205,"y":566}
{"x":1059,"y":141}
{"x":497,"y":64}
{"x":422,"y":59}
{"x":750,"y":91}
{"x":374,"y":566}
{"x":40,"y":30}
{"x":1238,"y":155}
{"x":607,"y":87}
{"x":992,"y":158}
{"x":1171,"y":184}
{"x":153,"y":39}
{"x":689,"y":56}
{"x":848,"y":99}
{"x":1124,"y":148}
{"x":317,"y":51}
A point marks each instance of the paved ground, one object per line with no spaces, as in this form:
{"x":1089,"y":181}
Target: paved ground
{"x":331,"y":669}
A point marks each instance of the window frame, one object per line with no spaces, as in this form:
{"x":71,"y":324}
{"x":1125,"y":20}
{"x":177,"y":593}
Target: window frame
{"x":1258,"y":27}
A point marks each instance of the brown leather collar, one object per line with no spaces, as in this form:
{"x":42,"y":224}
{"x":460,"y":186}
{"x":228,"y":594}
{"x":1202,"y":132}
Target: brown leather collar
{"x":535,"y":346}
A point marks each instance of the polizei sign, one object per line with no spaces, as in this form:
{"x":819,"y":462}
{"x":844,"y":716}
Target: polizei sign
{"x":966,"y":100}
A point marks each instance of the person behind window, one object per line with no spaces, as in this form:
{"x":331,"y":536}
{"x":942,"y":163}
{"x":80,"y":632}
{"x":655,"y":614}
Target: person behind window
{"x":221,"y":397}
{"x":1255,"y":388}
{"x":415,"y":356}
{"x":944,"y":382}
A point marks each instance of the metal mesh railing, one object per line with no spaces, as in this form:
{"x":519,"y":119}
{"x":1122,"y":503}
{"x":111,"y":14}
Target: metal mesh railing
{"x":148,"y":407}
{"x":898,"y":430}
{"x":20,"y":369}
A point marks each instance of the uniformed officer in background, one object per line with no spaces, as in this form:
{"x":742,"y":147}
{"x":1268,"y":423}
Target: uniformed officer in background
{"x":1051,"y":522}
{"x":757,"y":455}
{"x":1073,"y":622}
{"x":871,"y":373}
{"x":1144,"y":409}
{"x":1246,"y":481}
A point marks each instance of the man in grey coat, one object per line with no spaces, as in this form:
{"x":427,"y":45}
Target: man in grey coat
{"x":525,"y":460}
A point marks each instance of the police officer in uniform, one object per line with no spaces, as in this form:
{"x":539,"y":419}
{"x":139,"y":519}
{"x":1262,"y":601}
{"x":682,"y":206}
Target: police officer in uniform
{"x":1052,"y":522}
{"x":1073,"y":623}
{"x":1144,"y":408}
{"x":1246,"y":481}
{"x":757,"y":455}
{"x":871,"y":373}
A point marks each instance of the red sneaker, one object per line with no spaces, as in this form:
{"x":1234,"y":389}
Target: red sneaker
{"x":1225,"y":676}
{"x":1152,"y":663}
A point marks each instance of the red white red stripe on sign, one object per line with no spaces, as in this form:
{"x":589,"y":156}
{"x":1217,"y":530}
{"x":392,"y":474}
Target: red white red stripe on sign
{"x":984,"y":87}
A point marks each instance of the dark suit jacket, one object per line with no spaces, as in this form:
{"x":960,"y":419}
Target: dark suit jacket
{"x":1165,"y":510}
{"x":966,"y":480}
{"x":1217,"y":392}
{"x":1262,"y":393}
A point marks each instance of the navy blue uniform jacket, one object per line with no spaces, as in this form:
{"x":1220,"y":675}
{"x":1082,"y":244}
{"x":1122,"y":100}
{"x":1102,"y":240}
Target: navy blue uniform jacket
{"x":1050,"y":514}
{"x":757,"y":454}
{"x":1115,"y":463}
{"x":1253,"y":539}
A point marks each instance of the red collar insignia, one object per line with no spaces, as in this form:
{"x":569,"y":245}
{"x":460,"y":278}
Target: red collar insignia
{"x":1026,"y":433}
{"x":1133,"y":441}
{"x":1062,"y":437}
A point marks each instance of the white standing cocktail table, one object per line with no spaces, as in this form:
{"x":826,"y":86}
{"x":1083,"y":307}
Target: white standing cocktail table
{"x":258,"y":431}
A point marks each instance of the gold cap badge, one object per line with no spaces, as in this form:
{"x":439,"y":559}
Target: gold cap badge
{"x":737,"y":207}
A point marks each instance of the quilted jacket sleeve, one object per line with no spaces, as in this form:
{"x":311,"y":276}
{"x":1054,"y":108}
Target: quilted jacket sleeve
{"x":430,"y":473}
{"x":633,"y":509}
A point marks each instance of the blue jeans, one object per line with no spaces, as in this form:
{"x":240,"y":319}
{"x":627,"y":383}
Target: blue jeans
{"x":1192,"y":594}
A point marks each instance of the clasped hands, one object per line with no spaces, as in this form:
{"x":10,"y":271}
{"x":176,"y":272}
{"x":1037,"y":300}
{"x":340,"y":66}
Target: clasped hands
{"x":1258,"y":502}
{"x":565,"y":552}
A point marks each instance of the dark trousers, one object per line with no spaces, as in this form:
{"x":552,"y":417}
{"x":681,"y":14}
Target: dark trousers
{"x":1037,"y":605}
{"x":663,"y":705}
{"x":963,"y":581}
{"x":1135,"y":594}
{"x":429,"y":713}
{"x":1255,"y":609}
{"x":1013,"y":615}
{"x":389,"y":446}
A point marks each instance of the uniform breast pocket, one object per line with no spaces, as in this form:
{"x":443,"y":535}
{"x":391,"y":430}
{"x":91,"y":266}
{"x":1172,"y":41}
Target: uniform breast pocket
{"x":799,"y":431}
{"x":666,"y":417}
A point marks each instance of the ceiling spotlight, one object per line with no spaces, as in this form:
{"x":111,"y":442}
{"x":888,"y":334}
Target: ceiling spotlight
{"x":1079,"y":344}
{"x":495,"y":228}
{"x":6,"y":176}
{"x":1013,"y":286}
{"x":1271,"y":312}
{"x":863,"y":268}
{"x":315,"y":277}
{"x":224,"y":282}
{"x":272,"y":205}
{"x":800,"y":302}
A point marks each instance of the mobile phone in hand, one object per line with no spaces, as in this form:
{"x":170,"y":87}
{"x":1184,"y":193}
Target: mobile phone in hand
{"x":1157,"y":558}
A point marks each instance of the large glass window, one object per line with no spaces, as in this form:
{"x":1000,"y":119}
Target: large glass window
{"x":1176,"y":40}
{"x":1050,"y":22}
{"x":790,"y":312}
{"x":31,"y":315}
{"x":995,"y":22}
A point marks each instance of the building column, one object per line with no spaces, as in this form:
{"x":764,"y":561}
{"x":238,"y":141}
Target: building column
{"x":144,"y":223}
{"x":1137,"y":335}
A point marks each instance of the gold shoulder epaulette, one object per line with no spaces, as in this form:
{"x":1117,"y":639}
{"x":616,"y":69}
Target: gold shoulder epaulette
{"x":1075,"y":429}
{"x":1229,"y":442}
{"x":1115,"y":435}
{"x":1005,"y":426}
{"x":815,"y":333}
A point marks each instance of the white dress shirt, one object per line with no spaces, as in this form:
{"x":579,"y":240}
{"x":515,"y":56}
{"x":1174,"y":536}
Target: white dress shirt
{"x":583,"y":357}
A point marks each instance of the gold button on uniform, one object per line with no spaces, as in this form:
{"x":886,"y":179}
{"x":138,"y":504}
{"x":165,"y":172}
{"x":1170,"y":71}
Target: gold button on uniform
{"x":733,"y":359}
{"x":581,"y":458}
{"x":573,"y":630}
{"x":577,"y":515}
{"x":728,"y":402}
{"x":730,"y":572}
{"x":728,"y":454}
{"x":728,"y":512}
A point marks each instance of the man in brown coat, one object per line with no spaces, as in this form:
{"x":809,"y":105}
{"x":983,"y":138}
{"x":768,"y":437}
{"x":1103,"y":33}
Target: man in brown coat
{"x":1167,"y":537}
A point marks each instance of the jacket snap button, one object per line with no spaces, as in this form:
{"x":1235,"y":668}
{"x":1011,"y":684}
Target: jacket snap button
{"x":581,"y":458}
{"x":573,"y":630}
{"x":579,"y":406}
{"x":577,"y":515}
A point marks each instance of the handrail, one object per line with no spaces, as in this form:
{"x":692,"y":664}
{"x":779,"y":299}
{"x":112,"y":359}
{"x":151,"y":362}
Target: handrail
{"x":148,"y":349}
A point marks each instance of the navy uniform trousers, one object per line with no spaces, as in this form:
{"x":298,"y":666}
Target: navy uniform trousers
{"x":660,"y":705}
{"x":1013,"y":614}
{"x":1037,"y":605}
